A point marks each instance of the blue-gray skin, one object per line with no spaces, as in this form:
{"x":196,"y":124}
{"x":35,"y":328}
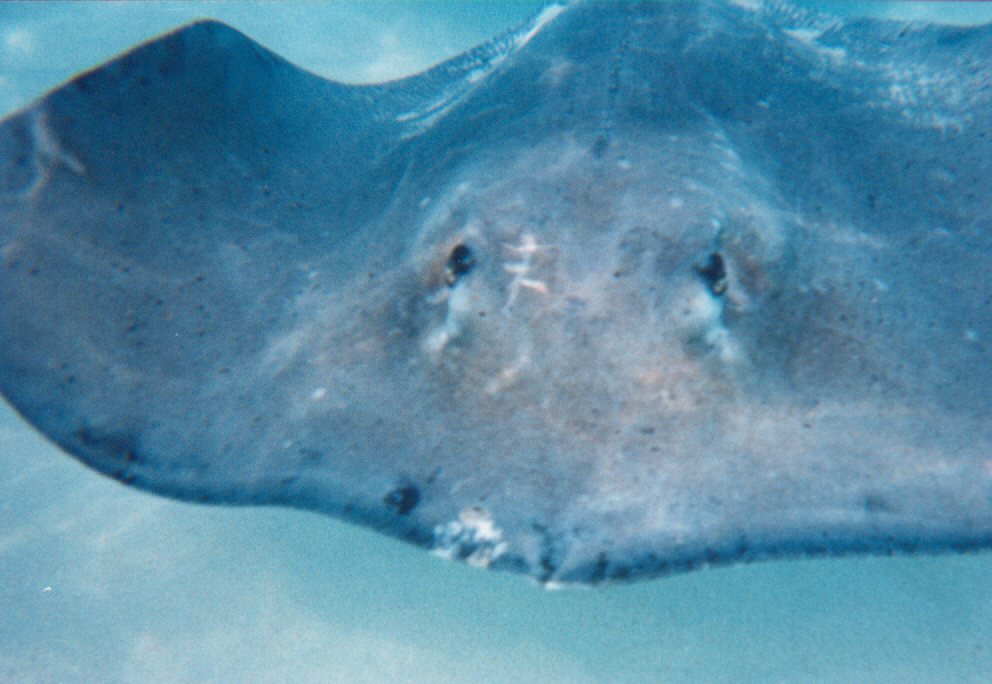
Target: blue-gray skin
{"x":629,"y":290}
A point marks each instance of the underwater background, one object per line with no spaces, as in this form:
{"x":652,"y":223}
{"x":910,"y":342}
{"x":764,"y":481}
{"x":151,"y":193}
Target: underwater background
{"x":103,"y":583}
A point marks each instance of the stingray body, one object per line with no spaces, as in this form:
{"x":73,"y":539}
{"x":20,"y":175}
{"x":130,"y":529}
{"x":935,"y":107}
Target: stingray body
{"x":634,"y":288}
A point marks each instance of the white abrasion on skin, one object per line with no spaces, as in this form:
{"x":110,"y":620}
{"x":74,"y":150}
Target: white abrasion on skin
{"x":472,"y":537}
{"x":508,"y":375}
{"x":520,"y":270}
{"x":47,"y":154}
{"x":459,"y":305}
{"x":702,"y":320}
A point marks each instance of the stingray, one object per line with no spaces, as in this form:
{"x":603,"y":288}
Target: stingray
{"x":629,"y":290}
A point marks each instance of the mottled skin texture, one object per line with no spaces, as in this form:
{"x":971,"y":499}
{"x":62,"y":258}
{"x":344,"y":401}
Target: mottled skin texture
{"x":635,"y":288}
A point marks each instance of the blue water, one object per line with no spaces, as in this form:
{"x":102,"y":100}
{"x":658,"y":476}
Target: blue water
{"x":101,"y":583}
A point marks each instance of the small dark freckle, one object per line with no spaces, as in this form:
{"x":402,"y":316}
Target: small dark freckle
{"x":600,"y":146}
{"x":621,"y":573}
{"x":482,"y":314}
{"x":402,"y":499}
{"x":120,"y":207}
{"x":199,"y":279}
{"x":372,"y":275}
{"x":310,"y":456}
{"x":647,"y":430}
{"x":807,"y":425}
{"x":616,"y":274}
{"x":34,"y":271}
{"x":598,"y":573}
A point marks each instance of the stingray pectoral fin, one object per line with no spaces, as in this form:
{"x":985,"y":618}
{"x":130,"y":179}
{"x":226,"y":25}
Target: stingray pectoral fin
{"x":156,"y":218}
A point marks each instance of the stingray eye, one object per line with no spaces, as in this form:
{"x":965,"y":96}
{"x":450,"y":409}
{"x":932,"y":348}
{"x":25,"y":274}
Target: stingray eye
{"x":714,"y":273}
{"x":460,"y":261}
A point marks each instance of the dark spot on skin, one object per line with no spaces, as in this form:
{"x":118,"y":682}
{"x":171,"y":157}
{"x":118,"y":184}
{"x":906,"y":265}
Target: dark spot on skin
{"x":875,"y":503}
{"x":310,"y":456}
{"x":714,"y":272}
{"x":600,"y":146}
{"x":115,"y":446}
{"x":621,"y":573}
{"x":550,"y":553}
{"x":598,"y":572}
{"x":460,"y":262}
{"x":403,"y":499}
{"x":547,"y":565}
{"x":34,"y":271}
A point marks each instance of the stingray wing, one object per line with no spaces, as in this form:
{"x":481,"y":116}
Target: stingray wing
{"x":157,"y":215}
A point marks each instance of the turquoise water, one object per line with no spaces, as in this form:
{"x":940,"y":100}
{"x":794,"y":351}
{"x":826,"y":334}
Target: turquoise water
{"x":102,"y":583}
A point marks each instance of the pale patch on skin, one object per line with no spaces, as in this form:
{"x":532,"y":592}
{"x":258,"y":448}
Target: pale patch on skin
{"x":520,"y":270}
{"x":459,"y":304}
{"x":556,"y":74}
{"x":47,"y":154}
{"x":473,"y":536}
{"x":508,"y":375}
{"x":810,"y":38}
